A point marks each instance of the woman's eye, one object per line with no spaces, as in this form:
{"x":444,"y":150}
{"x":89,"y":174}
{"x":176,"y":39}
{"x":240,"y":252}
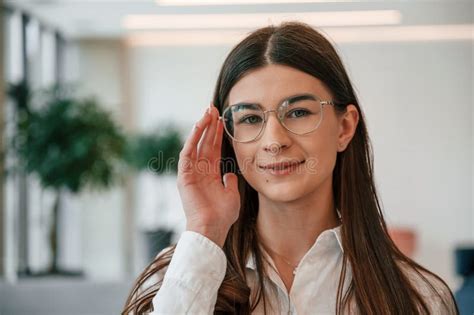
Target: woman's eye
{"x":250,"y":120}
{"x":298,"y":113}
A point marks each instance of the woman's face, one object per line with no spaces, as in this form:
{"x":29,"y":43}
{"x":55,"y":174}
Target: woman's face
{"x":316,"y":150}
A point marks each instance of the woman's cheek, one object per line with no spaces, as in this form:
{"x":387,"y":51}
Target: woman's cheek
{"x":323,"y":165}
{"x":245,"y":164}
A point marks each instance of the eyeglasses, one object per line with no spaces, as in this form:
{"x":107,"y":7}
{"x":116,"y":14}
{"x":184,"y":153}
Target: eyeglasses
{"x":299,"y":114}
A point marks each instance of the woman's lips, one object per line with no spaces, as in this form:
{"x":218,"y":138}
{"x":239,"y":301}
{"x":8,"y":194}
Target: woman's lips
{"x":281,"y":168}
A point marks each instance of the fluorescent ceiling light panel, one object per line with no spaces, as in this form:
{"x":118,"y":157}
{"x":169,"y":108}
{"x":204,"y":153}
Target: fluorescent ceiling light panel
{"x":408,"y":33}
{"x":255,"y":20}
{"x":185,"y":38}
{"x":233,"y":2}
{"x":387,"y":34}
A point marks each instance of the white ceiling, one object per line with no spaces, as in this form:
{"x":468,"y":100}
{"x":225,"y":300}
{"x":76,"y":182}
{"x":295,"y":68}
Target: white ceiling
{"x":104,"y":18}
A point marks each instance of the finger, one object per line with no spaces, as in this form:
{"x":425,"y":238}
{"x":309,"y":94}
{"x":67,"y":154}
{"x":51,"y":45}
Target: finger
{"x":190,"y":146}
{"x":218,"y":137}
{"x":217,"y":151}
{"x":231,"y":182}
{"x":207,"y":145}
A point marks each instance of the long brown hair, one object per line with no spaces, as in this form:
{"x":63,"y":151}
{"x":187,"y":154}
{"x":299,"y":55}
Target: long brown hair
{"x":378,"y":284}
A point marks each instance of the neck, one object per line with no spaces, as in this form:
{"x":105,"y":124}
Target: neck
{"x":291,"y":228}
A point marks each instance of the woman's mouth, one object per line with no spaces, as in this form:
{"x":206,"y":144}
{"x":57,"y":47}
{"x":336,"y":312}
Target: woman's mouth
{"x":282,"y":168}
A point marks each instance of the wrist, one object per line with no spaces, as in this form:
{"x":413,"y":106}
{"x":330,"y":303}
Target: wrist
{"x":212,"y":232}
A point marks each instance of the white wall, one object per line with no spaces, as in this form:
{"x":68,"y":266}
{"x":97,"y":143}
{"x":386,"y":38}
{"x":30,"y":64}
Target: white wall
{"x":417,"y":97}
{"x":173,"y":83}
{"x":102,"y":212}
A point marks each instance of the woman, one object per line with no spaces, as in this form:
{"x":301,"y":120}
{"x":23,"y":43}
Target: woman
{"x":296,"y":225}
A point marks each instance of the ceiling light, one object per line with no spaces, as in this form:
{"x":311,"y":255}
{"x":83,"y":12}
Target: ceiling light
{"x":185,"y":38}
{"x":233,"y":2}
{"x":340,"y":35}
{"x":255,"y":20}
{"x":408,"y":33}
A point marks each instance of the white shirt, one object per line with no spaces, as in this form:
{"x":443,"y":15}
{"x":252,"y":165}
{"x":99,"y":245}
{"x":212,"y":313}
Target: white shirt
{"x":198,"y":266}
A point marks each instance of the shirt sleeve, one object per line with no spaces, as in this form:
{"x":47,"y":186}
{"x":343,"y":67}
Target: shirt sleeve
{"x":193,"y":277}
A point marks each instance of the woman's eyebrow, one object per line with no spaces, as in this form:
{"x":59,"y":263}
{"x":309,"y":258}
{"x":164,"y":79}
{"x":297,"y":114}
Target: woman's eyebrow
{"x":292,"y":98}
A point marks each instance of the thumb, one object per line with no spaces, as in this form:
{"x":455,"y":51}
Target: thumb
{"x":230,"y":181}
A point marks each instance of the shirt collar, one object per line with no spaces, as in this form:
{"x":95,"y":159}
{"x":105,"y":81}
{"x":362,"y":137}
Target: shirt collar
{"x":333,"y":235}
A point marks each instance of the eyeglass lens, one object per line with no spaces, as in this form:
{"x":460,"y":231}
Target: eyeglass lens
{"x":244,"y":122}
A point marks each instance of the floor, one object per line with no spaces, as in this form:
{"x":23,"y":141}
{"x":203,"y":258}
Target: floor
{"x":62,"y":297}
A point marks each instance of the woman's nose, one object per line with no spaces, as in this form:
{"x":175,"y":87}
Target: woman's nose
{"x":275,"y":136}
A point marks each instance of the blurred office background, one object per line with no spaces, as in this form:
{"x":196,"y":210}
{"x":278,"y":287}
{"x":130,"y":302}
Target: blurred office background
{"x":153,"y":64}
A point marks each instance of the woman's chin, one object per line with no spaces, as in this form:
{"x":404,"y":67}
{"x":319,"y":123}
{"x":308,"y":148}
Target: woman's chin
{"x":282,"y":193}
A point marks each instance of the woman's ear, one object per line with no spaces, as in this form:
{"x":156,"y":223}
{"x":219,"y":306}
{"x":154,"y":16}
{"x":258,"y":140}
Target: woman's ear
{"x":347,"y":127}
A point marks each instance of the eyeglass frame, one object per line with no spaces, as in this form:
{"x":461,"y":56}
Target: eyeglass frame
{"x":265,"y":116}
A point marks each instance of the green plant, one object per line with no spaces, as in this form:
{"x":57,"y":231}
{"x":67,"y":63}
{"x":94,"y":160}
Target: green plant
{"x":72,"y":143}
{"x":69,"y":144}
{"x":156,"y":151}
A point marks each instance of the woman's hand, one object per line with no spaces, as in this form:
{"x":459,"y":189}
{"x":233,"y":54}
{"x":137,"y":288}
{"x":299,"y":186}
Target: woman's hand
{"x":210,"y":206}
